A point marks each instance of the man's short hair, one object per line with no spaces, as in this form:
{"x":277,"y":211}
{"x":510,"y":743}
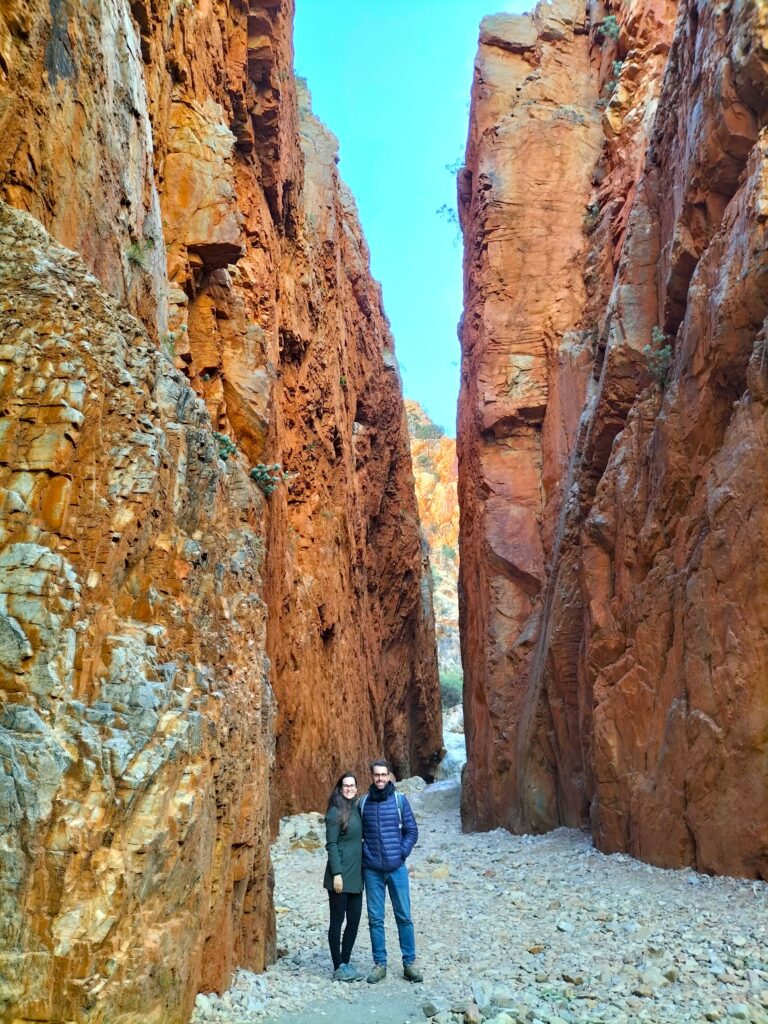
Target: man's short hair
{"x":381,"y":763}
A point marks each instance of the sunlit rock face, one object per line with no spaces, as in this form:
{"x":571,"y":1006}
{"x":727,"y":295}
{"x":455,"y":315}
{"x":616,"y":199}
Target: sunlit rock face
{"x":134,"y":683}
{"x":205,"y":506}
{"x":630,"y":692}
{"x":435,"y":472}
{"x":534,"y":140}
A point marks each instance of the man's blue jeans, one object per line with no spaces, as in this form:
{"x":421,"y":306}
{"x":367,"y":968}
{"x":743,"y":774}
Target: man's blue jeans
{"x":376,"y":882}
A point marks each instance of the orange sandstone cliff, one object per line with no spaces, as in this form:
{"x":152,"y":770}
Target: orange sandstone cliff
{"x":611,"y":431}
{"x":435,"y":473}
{"x":212,"y":589}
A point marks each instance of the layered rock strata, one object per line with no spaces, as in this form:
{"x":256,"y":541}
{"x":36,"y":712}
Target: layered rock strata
{"x":226,"y":475}
{"x":631,"y":691}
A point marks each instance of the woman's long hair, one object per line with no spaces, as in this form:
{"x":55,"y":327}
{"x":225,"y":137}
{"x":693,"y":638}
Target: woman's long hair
{"x":340,"y":802}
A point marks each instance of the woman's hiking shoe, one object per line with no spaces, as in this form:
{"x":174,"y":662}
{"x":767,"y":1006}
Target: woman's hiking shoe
{"x":346,"y":973}
{"x":411,"y":974}
{"x":378,"y":973}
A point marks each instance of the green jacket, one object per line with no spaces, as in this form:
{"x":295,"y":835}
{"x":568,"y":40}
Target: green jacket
{"x":345,"y":851}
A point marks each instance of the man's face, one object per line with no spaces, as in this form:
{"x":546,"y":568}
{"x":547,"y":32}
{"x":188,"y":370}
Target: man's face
{"x":380,"y":776}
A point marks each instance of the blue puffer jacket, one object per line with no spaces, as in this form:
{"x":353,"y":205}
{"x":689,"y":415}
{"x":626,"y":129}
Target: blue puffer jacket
{"x":385,"y":847}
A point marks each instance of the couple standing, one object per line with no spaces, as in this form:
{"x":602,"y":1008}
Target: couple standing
{"x":368,"y":842}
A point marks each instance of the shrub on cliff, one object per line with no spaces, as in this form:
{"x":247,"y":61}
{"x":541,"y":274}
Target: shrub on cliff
{"x":451,"y":687}
{"x":658,"y":357}
{"x":267,"y":477}
{"x":611,"y":27}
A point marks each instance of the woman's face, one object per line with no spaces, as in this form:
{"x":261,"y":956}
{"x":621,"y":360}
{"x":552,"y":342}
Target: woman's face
{"x":348,"y":787}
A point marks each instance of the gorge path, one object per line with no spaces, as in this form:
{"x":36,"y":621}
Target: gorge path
{"x":532,"y":928}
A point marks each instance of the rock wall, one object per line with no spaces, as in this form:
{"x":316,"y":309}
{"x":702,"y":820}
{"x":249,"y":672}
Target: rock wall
{"x":351,"y":627}
{"x":136,"y":726}
{"x":435,"y":472}
{"x":534,"y":141}
{"x":205,"y":460}
{"x":630,"y":690}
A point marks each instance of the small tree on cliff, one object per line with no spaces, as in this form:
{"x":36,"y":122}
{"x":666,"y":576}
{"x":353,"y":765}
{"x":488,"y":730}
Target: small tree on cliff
{"x":658,"y":357}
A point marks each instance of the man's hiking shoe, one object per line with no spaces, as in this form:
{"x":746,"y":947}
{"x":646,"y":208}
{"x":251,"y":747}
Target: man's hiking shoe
{"x":378,"y":973}
{"x":411,"y":974}
{"x":344,"y":972}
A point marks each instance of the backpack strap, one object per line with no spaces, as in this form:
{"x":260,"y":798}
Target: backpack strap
{"x":398,"y":801}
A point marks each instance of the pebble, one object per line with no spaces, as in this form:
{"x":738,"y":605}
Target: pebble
{"x":520,"y":930}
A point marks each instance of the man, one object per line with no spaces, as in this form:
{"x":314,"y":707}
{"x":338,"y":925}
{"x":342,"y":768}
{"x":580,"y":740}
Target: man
{"x":389,"y":834}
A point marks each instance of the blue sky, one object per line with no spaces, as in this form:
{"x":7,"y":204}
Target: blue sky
{"x":391,"y":78}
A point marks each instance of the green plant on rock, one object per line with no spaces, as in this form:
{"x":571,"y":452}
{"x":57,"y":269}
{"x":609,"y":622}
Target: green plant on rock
{"x":611,"y":27}
{"x":267,"y":477}
{"x":658,"y":357}
{"x":136,"y":253}
{"x":343,"y":382}
{"x":451,"y":687}
{"x":226,"y":445}
{"x":591,"y":217}
{"x":168,"y":344}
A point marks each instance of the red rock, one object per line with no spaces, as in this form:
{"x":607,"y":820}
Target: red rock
{"x":640,"y":703}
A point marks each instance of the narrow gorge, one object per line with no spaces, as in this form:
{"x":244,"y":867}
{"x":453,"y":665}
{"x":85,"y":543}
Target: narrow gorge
{"x":229,"y":547}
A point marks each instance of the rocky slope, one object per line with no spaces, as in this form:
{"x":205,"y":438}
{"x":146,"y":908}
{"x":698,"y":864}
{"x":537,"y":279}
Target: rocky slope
{"x":610,"y":464}
{"x":205,"y":463}
{"x":435,"y":472}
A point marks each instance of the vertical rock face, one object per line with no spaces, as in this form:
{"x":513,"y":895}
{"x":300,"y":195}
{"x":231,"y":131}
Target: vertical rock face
{"x":351,"y":629}
{"x":534,"y":140}
{"x":435,"y":472}
{"x":205,"y":459}
{"x":642,"y":705}
{"x":136,"y":726}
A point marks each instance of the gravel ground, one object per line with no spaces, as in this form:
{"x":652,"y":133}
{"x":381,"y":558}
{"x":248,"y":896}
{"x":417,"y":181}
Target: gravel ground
{"x":516,"y":928}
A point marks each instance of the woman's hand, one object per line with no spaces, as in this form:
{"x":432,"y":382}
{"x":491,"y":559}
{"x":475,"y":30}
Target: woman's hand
{"x":338,"y":883}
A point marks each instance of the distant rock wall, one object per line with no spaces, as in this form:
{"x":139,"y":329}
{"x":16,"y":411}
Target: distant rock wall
{"x":630,"y":690}
{"x":435,"y":471}
{"x":162,"y":578}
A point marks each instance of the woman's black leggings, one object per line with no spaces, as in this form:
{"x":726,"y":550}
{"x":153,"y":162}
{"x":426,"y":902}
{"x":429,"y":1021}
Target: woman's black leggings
{"x":349,"y":905}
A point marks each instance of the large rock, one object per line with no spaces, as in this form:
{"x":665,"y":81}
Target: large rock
{"x":134,"y":684}
{"x":534,"y":141}
{"x":641,"y":705}
{"x":351,"y":631}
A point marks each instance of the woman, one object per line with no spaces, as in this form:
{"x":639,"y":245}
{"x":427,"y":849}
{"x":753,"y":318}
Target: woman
{"x":344,"y":874}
